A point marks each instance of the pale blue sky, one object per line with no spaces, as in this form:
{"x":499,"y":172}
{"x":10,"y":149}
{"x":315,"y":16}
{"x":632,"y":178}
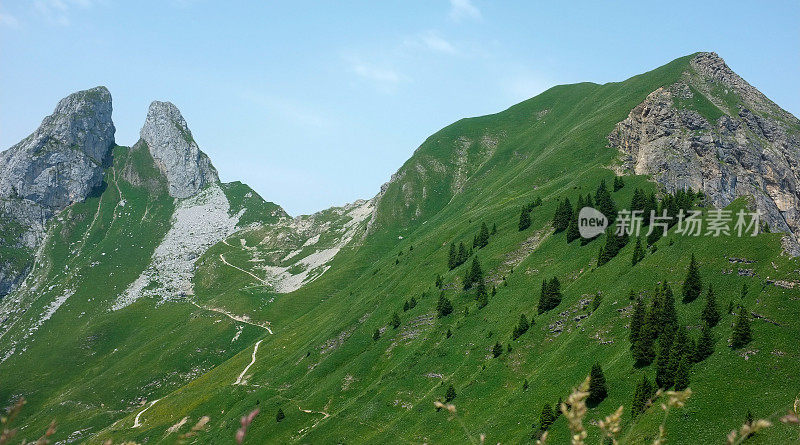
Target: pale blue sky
{"x":316,"y":103}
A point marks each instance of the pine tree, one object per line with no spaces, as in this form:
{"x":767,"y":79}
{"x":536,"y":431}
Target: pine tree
{"x":644,"y":390}
{"x":497,"y":349}
{"x":618,"y":183}
{"x":551,"y":295}
{"x":710,"y":314}
{"x":494,"y":228}
{"x":413,"y":303}
{"x":279,"y":415}
{"x":741,"y":330}
{"x":450,"y":394}
{"x":474,"y":274}
{"x":462,"y":255}
{"x":692,"y":286}
{"x":681,"y":350}
{"x":481,"y":296}
{"x":644,"y":348}
{"x":547,"y":417}
{"x":524,"y":220}
{"x":376,"y":335}
{"x":521,"y":328}
{"x":705,"y":344}
{"x":562,"y":216}
{"x":443,"y":307}
{"x":638,"y":202}
{"x":597,"y":386}
{"x":605,"y":204}
{"x":682,"y":373}
{"x":573,"y":232}
{"x":405,"y":306}
{"x":483,"y":236}
{"x":395,"y":320}
{"x":668,"y":318}
{"x":665,"y":377}
{"x":525,"y":385}
{"x":452,"y":257}
{"x":439,"y":281}
{"x":637,"y":322}
{"x":638,"y":252}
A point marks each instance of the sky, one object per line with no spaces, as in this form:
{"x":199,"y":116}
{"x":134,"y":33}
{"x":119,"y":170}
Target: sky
{"x":315,"y":104}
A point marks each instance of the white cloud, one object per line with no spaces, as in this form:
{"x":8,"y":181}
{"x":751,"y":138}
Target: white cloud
{"x":434,"y":42}
{"x":58,"y":11}
{"x":9,"y":21}
{"x":381,"y":76}
{"x":464,"y":9}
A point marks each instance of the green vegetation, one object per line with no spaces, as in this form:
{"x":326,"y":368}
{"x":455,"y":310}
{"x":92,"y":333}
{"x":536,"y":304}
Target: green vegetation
{"x":340,"y":385}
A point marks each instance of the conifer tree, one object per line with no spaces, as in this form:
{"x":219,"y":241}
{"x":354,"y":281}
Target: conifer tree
{"x":546,"y":418}
{"x":462,"y":255}
{"x":474,"y":274}
{"x":618,"y":183}
{"x":562,"y":216}
{"x":395,"y":320}
{"x":524,"y":220}
{"x":494,"y":228}
{"x":638,"y":201}
{"x":376,"y":335}
{"x":573,"y":232}
{"x":497,"y":349}
{"x":741,"y":330}
{"x":638,"y":252}
{"x":521,"y":328}
{"x":644,"y":348}
{"x":692,"y":286}
{"x":682,"y":373}
{"x":483,"y":236}
{"x":481,"y":296}
{"x":557,"y":410}
{"x":450,"y":394}
{"x":551,"y":295}
{"x":413,"y":303}
{"x":665,"y":377}
{"x":452,"y":257}
{"x":439,"y":281}
{"x":637,"y":322}
{"x":669,"y":315}
{"x":644,"y":390}
{"x":705,"y":344}
{"x":525,"y":385}
{"x":597,"y":386}
{"x":710,"y":314}
{"x":279,"y":415}
{"x":443,"y":307}
{"x":605,"y":204}
{"x":405,"y":306}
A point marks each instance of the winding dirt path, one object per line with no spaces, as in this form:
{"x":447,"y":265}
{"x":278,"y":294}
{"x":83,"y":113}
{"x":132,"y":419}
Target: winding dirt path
{"x":253,"y":360}
{"x":136,"y":423}
{"x":261,"y":280}
{"x":240,"y":318}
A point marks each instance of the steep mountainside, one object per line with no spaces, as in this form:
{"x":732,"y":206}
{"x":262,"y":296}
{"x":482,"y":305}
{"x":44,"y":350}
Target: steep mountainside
{"x":714,"y":132}
{"x":169,"y":296}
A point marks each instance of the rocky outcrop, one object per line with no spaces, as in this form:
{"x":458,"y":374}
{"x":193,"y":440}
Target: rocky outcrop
{"x":175,"y":151}
{"x":714,"y":132}
{"x":59,"y":164}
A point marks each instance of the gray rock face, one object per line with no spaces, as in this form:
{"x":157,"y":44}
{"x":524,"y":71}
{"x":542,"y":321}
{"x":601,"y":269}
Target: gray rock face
{"x":714,"y":132}
{"x":59,"y":164}
{"x":175,"y":151}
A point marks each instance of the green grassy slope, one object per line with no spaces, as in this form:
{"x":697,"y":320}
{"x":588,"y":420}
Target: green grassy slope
{"x":336,"y":384}
{"x":86,"y":366}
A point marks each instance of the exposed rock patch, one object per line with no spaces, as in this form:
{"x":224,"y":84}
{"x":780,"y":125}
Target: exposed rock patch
{"x":714,"y":132}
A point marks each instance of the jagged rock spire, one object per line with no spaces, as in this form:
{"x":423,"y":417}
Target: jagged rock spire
{"x":175,"y":151}
{"x":62,"y":161}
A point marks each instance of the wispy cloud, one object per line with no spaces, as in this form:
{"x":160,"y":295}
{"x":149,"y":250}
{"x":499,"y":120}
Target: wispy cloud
{"x":8,"y":21}
{"x":464,"y":9}
{"x":382,"y":76}
{"x":58,"y":11}
{"x":432,"y":41}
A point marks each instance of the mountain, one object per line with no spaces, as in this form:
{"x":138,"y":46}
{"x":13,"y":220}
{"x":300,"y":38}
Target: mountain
{"x":165,"y":296}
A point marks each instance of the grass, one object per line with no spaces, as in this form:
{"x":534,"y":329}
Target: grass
{"x":336,"y":384}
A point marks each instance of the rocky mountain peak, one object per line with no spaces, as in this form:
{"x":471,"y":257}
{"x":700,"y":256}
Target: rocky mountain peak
{"x":175,"y":151}
{"x":62,"y":161}
{"x":714,"y":132}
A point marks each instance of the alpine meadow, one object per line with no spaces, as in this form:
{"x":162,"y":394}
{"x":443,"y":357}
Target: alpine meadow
{"x":144,"y":300}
